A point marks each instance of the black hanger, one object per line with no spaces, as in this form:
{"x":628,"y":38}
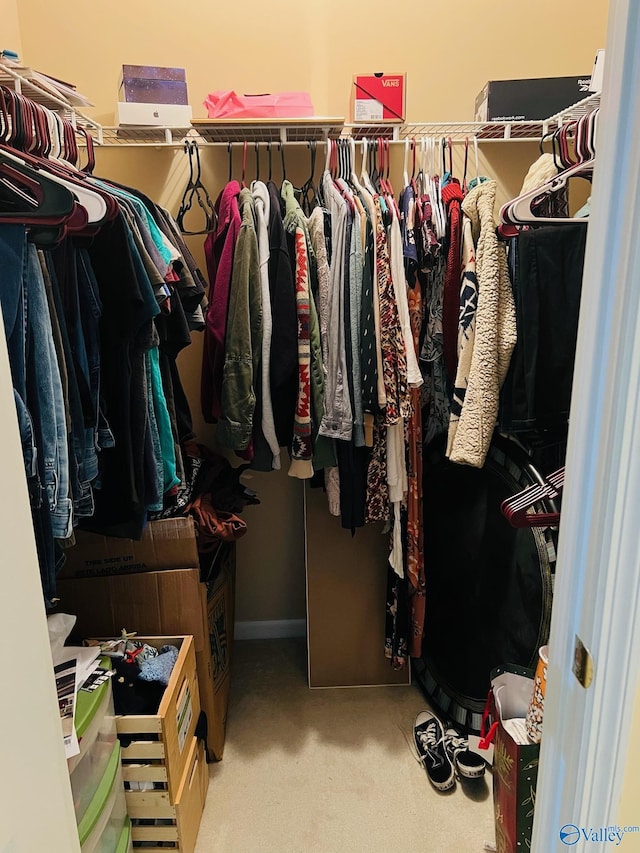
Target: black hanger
{"x":257,"y":149}
{"x":309,"y":193}
{"x":244,"y":164}
{"x":195,"y":190}
{"x":543,"y":138}
{"x":284,"y":165}
{"x":372,"y":167}
{"x":270,"y":161}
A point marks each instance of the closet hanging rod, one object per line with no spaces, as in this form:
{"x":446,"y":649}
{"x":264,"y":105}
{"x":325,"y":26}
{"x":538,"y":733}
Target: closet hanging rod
{"x":142,"y":138}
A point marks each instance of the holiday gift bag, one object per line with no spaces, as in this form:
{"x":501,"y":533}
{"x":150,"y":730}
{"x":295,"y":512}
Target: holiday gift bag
{"x":515,"y":759}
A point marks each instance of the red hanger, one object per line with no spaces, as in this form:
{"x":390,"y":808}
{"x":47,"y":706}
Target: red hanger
{"x":515,"y":509}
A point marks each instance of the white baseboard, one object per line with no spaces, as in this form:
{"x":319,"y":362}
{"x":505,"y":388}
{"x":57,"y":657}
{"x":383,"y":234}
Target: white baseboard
{"x":271,"y":629}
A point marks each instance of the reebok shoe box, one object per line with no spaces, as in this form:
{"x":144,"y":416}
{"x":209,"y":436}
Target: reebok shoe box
{"x":530,"y":100}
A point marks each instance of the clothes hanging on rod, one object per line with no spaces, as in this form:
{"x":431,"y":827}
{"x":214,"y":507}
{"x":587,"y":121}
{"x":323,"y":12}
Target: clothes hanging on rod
{"x":392,"y":321}
{"x":98,"y":301}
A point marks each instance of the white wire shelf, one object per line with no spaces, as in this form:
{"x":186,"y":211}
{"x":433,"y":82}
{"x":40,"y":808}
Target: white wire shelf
{"x":312,"y":129}
{"x":493,"y":131}
{"x":124,"y":136}
{"x":21,"y":84}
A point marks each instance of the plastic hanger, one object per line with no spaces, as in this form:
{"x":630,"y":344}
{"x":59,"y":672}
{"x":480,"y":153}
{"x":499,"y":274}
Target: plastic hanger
{"x":244,"y":165}
{"x":195,"y":191}
{"x":91,"y":156}
{"x":405,"y":163}
{"x":516,"y":509}
{"x":230,"y":154}
{"x":519,"y":211}
{"x":282,"y":162}
{"x":343,"y":172}
{"x":466,"y":162}
{"x":257,"y":152}
{"x":30,"y":197}
{"x":364,"y":174}
{"x":24,"y":124}
{"x":308,"y":192}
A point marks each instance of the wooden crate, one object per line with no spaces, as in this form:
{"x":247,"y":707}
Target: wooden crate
{"x":160,"y":747}
{"x":184,"y":814}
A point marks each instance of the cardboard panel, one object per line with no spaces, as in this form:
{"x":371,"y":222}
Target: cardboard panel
{"x":169,"y":602}
{"x":166,"y":544}
{"x":214,"y":663}
{"x":346,"y":596}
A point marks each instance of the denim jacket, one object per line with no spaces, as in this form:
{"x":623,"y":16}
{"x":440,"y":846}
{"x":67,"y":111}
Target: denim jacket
{"x":35,"y":374}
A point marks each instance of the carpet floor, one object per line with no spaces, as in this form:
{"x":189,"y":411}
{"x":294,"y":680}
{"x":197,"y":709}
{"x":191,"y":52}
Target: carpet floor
{"x":328,"y":771}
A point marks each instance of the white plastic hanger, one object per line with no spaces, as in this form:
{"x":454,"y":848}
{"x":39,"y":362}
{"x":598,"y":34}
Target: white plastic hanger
{"x":475,"y":154}
{"x":92,"y":202}
{"x":364,"y":174}
{"x":327,"y":161}
{"x":439,"y":219}
{"x":519,"y":212}
{"x":405,"y":171}
{"x":352,"y":156}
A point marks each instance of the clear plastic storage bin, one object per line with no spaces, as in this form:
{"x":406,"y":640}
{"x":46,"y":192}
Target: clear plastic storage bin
{"x":96,"y":729}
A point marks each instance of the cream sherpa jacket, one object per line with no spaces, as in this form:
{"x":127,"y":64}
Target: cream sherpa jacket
{"x":495,"y":333}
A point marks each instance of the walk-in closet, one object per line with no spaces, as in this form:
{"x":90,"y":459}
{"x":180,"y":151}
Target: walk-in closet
{"x":319,"y":379}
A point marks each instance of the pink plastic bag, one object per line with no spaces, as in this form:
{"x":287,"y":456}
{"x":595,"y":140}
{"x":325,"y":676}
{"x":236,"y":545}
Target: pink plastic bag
{"x":222,"y":104}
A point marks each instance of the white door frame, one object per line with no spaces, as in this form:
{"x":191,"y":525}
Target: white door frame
{"x":36,"y":806}
{"x":597,"y":594}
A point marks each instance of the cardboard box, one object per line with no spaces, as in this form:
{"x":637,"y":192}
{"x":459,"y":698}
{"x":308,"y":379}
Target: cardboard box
{"x":379,"y":98}
{"x":153,"y":115}
{"x":214,"y":664}
{"x":166,"y":544}
{"x":153,"y":84}
{"x":153,"y":603}
{"x":168,"y":602}
{"x":529,"y":100}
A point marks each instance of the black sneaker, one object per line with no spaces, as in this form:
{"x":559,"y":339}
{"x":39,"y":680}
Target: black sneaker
{"x":428,"y":734}
{"x":467,"y":763}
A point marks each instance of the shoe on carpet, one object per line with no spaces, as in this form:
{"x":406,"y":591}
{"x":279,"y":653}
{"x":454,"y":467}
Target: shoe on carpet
{"x":429,"y":737}
{"x":468,"y":764}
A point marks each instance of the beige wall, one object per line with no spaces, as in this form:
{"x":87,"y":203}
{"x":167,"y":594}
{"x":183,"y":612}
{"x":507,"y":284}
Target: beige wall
{"x":11,"y":35}
{"x":307,"y":46}
{"x":449,"y":50}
